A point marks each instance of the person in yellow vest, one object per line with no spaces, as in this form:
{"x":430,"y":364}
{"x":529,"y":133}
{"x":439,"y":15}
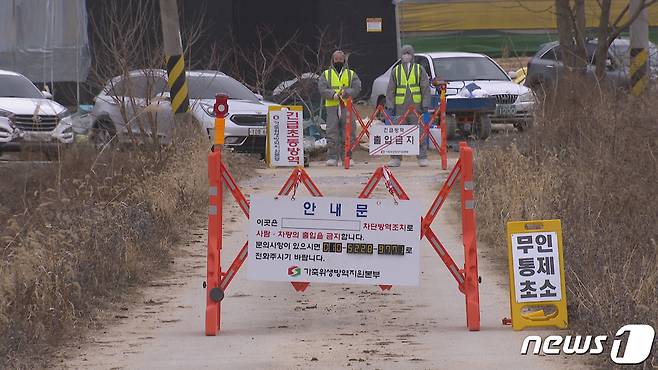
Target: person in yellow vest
{"x":409,"y":85}
{"x":337,"y":83}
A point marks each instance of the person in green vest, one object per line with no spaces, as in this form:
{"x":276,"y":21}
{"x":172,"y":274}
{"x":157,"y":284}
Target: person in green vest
{"x":336,"y":84}
{"x":409,"y":85}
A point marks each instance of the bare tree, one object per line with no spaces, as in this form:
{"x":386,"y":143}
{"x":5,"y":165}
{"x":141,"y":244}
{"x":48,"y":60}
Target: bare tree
{"x":125,"y":41}
{"x":608,"y":31}
{"x":571,"y":31}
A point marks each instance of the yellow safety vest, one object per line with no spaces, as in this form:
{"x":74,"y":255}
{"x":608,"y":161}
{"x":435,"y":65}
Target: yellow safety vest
{"x":404,"y":81}
{"x":337,"y":82}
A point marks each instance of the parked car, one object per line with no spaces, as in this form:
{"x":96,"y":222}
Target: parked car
{"x":28,"y":117}
{"x":128,"y":107}
{"x":546,"y":65}
{"x":514,"y":103}
{"x":519,"y":76}
{"x":302,"y":91}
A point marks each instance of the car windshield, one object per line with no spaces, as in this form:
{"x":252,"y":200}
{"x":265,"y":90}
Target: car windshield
{"x":207,"y":86}
{"x":18,"y":87}
{"x":468,"y":69}
{"x":621,"y":52}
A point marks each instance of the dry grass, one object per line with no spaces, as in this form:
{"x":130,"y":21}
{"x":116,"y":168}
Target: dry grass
{"x":81,"y":231}
{"x":591,"y":162}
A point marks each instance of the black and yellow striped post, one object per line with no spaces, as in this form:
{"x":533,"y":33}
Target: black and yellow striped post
{"x":639,"y":70}
{"x":639,"y":30}
{"x":173,"y":49}
{"x":177,"y":84}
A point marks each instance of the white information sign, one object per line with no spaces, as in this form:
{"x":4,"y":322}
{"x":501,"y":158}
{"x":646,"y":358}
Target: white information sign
{"x":394,"y":140}
{"x":285,"y":136}
{"x":373,"y":25}
{"x":334,"y":240}
{"x":536,"y":267}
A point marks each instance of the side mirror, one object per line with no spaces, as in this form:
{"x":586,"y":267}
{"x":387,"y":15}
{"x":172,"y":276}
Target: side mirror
{"x":512,"y":74}
{"x":259,"y":96}
{"x":47,"y":95}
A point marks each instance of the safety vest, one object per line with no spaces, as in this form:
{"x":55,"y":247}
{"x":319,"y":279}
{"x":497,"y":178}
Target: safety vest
{"x":337,"y":82}
{"x":404,"y":81}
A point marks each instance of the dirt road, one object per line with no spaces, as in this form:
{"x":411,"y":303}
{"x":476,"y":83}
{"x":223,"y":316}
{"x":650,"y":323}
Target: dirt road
{"x":270,"y":326}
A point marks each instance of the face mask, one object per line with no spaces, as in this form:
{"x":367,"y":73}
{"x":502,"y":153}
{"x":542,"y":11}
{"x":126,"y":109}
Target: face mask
{"x":338,"y":66}
{"x":406,"y":58}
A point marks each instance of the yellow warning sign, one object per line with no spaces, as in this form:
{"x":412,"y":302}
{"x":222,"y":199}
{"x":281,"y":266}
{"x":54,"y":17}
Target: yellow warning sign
{"x":538,"y":295}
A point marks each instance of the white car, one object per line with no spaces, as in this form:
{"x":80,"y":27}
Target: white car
{"x":144,"y":95}
{"x":28,"y":118}
{"x":514,"y":103}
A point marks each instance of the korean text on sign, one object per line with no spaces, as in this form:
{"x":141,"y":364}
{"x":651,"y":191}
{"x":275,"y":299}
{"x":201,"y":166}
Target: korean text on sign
{"x":285,"y":136}
{"x":536,"y":267}
{"x":394,"y":140}
{"x":340,"y":240}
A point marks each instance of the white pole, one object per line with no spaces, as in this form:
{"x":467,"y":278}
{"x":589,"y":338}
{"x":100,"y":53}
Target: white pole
{"x":639,"y":30}
{"x":396,"y":3}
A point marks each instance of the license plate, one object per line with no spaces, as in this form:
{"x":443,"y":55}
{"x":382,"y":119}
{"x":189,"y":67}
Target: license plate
{"x":505,"y":110}
{"x":37,"y":136}
{"x":258,"y":131}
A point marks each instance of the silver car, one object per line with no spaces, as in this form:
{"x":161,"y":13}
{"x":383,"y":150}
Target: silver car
{"x":514,"y":103}
{"x":28,"y":118}
{"x":137,"y":106}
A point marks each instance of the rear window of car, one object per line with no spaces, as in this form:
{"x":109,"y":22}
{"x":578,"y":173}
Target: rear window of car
{"x":622,"y":53}
{"x":141,"y":86}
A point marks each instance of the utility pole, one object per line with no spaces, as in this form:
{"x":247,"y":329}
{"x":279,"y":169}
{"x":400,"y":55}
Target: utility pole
{"x":396,"y":3}
{"x":639,"y":48}
{"x":173,"y":48}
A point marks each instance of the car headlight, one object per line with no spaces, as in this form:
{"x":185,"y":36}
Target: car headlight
{"x":5,"y":113}
{"x":209,"y":109}
{"x":9,"y":115}
{"x":527,"y":97}
{"x":63,"y":114}
{"x":67,"y":121}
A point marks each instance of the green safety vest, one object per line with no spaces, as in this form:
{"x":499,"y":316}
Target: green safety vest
{"x":404,"y":81}
{"x":337,"y":82}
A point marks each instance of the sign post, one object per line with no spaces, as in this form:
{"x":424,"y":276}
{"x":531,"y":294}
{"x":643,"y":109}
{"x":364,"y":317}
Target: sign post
{"x":536,"y":273}
{"x":285,"y":136}
{"x":214,"y":294}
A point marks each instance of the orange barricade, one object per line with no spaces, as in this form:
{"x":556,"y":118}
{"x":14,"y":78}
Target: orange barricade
{"x":467,"y":277}
{"x":353,"y":114}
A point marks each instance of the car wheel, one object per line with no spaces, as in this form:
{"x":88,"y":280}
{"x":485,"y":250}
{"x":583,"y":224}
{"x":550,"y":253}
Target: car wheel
{"x":451,"y":126}
{"x":103,"y":134}
{"x":482,"y":127}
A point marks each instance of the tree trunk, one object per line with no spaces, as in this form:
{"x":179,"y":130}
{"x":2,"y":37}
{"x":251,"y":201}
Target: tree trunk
{"x":565,"y":32}
{"x":603,"y":42}
{"x":580,"y":53}
{"x":571,"y":32}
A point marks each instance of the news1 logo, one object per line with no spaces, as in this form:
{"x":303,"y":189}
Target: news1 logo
{"x":638,"y":344}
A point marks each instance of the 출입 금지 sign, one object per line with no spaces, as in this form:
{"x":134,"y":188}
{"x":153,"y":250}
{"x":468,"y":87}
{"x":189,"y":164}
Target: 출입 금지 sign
{"x":394,"y":140}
